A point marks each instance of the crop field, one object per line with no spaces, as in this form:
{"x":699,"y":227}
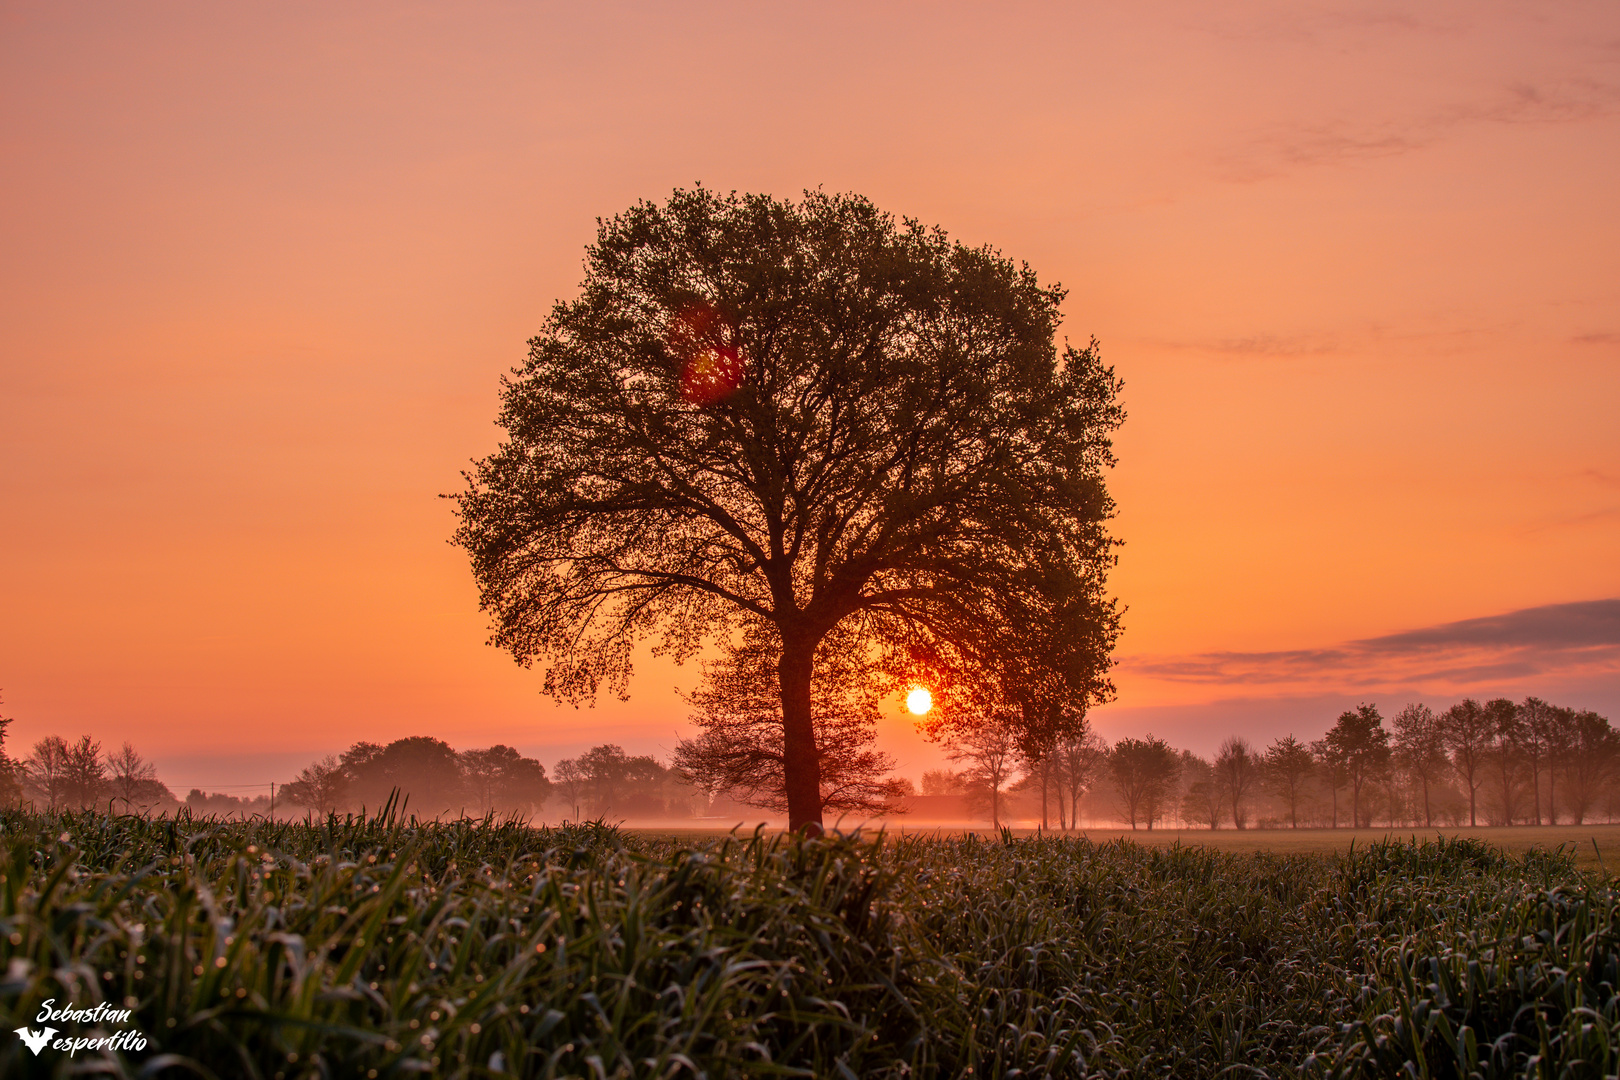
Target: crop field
{"x":1594,"y":847}
{"x":385,"y":948}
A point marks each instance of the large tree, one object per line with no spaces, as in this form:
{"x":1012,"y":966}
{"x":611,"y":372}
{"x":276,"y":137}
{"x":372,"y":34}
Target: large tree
{"x":813,"y":415}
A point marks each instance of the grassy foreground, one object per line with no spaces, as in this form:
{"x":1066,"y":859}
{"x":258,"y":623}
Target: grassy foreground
{"x":383,"y":948}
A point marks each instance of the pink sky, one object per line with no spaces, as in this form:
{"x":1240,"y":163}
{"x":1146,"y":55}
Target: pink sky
{"x":261,"y":266}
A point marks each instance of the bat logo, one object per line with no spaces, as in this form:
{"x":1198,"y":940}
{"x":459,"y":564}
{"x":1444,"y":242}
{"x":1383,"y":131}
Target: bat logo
{"x":36,"y":1040}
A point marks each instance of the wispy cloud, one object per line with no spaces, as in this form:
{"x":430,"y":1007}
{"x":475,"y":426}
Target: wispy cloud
{"x":1596,"y":339}
{"x":1558,"y":639}
{"x":1284,"y":147}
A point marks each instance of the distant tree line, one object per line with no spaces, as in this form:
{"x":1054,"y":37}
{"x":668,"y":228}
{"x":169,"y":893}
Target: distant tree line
{"x":1497,"y":762}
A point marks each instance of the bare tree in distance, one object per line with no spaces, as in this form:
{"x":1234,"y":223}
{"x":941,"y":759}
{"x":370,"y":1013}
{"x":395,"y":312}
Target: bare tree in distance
{"x":1145,"y":770}
{"x":86,"y":772}
{"x":990,"y":751}
{"x":1537,"y":734}
{"x":133,"y":779}
{"x":1562,"y":738}
{"x":810,"y":414}
{"x":45,"y":771}
{"x":1286,"y":767}
{"x":571,"y":783}
{"x":1507,"y":735}
{"x":1331,"y":769}
{"x":322,"y":786}
{"x":1203,"y":801}
{"x":1237,"y":770}
{"x":1082,"y":762}
{"x":1468,"y":732}
{"x":1420,"y":749}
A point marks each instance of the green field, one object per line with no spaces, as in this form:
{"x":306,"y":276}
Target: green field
{"x":381,"y":948}
{"x":1594,"y":847}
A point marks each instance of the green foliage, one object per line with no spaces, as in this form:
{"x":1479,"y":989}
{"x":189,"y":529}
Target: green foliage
{"x":337,"y":949}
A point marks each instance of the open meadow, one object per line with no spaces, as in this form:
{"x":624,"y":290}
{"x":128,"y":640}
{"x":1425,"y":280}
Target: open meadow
{"x":381,"y":948}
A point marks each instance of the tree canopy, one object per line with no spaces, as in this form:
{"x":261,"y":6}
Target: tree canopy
{"x":817,"y":416}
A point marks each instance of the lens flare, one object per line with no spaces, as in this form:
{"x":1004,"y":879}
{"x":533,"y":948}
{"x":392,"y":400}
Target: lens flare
{"x":711,"y":376}
{"x":919,"y":701}
{"x":712,"y":367}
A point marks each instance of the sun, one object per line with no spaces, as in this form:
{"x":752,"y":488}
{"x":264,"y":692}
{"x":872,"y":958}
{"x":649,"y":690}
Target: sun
{"x":919,"y":700}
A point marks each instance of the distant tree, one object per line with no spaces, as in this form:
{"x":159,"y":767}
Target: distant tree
{"x":990,"y":751}
{"x":941,"y":782}
{"x":426,"y":772}
{"x":1562,"y":738}
{"x":84,"y":773}
{"x":1420,"y":749}
{"x":11,"y":790}
{"x":133,"y":780}
{"x":570,"y":781}
{"x":1039,"y":728}
{"x":813,"y":415}
{"x":1330,"y":770}
{"x":1203,"y":802}
{"x":1237,"y":772}
{"x":1504,"y":753}
{"x":205,"y":803}
{"x":606,"y":769}
{"x":322,"y":786}
{"x":1145,"y":771}
{"x":1593,"y":762}
{"x":1082,"y":763}
{"x":1468,"y":735}
{"x":1358,"y":744}
{"x":502,"y":780}
{"x":45,"y":775}
{"x":1286,"y":767}
{"x":616,"y":785}
{"x":1537,"y":737}
{"x":740,"y":751}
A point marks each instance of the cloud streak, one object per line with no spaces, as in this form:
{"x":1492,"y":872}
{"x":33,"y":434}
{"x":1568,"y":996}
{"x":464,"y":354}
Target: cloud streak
{"x":1560,"y":640}
{"x":1335,"y":141}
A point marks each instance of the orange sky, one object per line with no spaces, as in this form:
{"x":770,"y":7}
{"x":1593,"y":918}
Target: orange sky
{"x":261,"y":266}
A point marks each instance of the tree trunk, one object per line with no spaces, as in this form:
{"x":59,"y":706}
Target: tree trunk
{"x":1046,"y":771}
{"x":1535,"y":791}
{"x":801,"y":760}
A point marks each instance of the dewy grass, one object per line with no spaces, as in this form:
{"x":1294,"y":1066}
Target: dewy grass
{"x":385,"y":947}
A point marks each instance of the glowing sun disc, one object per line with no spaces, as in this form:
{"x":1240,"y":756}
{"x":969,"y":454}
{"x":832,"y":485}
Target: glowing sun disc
{"x":919,"y":700}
